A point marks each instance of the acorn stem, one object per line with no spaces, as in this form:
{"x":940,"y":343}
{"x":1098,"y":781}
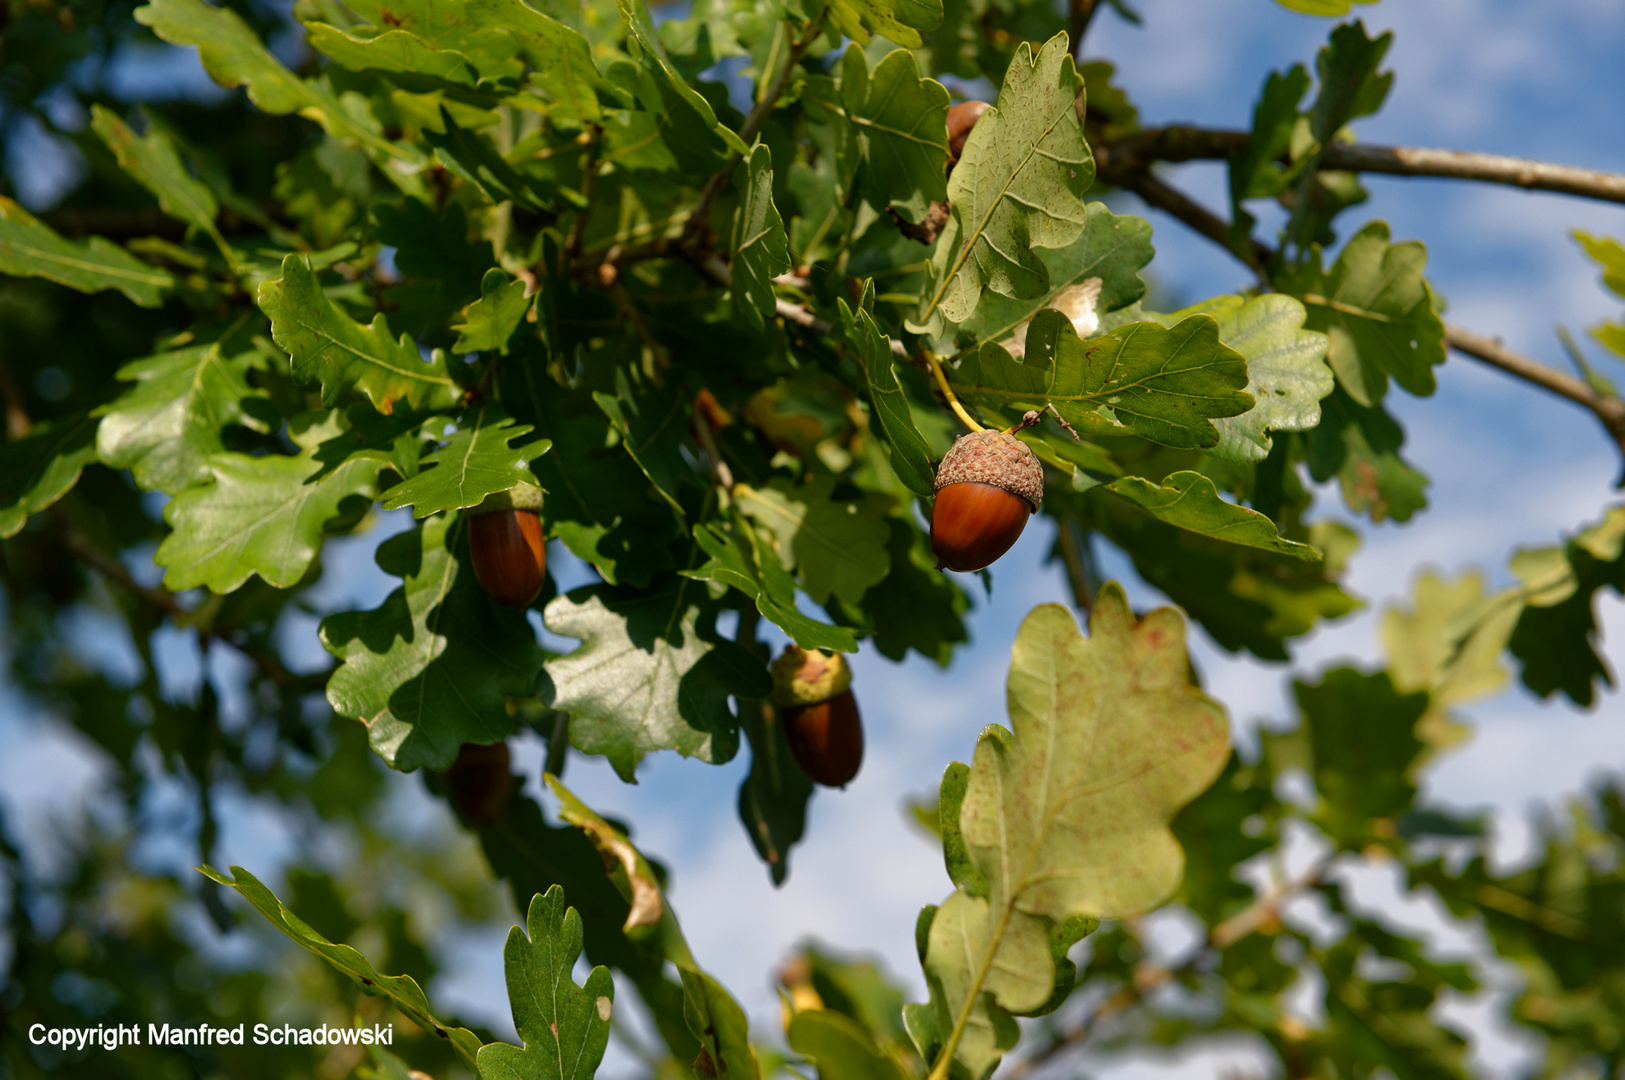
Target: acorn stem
{"x":953,"y":402}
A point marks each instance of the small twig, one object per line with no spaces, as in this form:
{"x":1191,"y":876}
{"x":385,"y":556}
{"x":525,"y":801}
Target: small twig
{"x":718,"y":271}
{"x":721,"y":475}
{"x":1081,"y":576}
{"x":1079,"y":14}
{"x":1031,"y":417}
{"x":572,"y":245}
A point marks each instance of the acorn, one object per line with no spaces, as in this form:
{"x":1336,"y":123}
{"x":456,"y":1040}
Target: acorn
{"x":479,"y":784}
{"x":813,"y":693}
{"x":507,"y":546}
{"x":987,"y":486}
{"x":961,"y":118}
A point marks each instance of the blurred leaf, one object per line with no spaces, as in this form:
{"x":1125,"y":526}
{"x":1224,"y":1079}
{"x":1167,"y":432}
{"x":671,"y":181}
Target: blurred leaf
{"x":471,"y":156}
{"x":1362,"y":733}
{"x":1019,"y":185}
{"x":29,"y":248}
{"x":1213,"y":832}
{"x":758,"y":250}
{"x":565,"y":1027}
{"x":41,"y":467}
{"x":839,"y":1047}
{"x":773,"y":798}
{"x":914,"y":606}
{"x":901,"y":21}
{"x":154,"y":163}
{"x":836,"y":547}
{"x":1165,"y":385}
{"x":326,"y":345}
{"x":401,"y":990}
{"x":1555,"y":637}
{"x":650,"y":674}
{"x":434,"y":666}
{"x":165,"y":427}
{"x":1360,"y":446}
{"x":642,"y":33}
{"x":475,"y":462}
{"x":265,"y":515}
{"x":1107,"y":729}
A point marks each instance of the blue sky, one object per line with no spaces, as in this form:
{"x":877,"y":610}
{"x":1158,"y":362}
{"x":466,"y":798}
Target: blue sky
{"x":1509,"y":465}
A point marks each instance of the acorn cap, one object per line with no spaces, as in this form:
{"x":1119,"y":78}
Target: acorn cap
{"x":519,"y":497}
{"x":997,"y":458}
{"x":806,"y":677}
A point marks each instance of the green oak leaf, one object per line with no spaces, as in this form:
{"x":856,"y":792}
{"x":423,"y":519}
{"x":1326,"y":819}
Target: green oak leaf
{"x":1555,"y":638}
{"x":1019,"y":185}
{"x":475,"y":462}
{"x":31,"y":248}
{"x":1215,"y":840}
{"x":434,"y":666}
{"x":265,"y":515}
{"x":565,"y":1027}
{"x":650,"y":674}
{"x":1190,"y":501}
{"x":327,"y":345}
{"x":561,"y":60}
{"x":491,"y":320}
{"x":902,"y":21}
{"x":773,"y":798}
{"x":650,"y":425}
{"x":896,"y":130}
{"x":839,"y":1047}
{"x":1067,"y":815}
{"x":1610,"y":255}
{"x":1330,"y":8}
{"x":233,"y":55}
{"x":41,"y":467}
{"x":1362,"y":735}
{"x":402,"y":990}
{"x":1096,"y":273}
{"x":1360,"y":447}
{"x":1164,"y":384}
{"x":1378,"y":311}
{"x":399,"y":53}
{"x":915,"y":606}
{"x":155,"y":163}
{"x":642,"y":33}
{"x":165,"y":427}
{"x":1256,"y":172}
{"x":1286,"y":369}
{"x":758,"y":248}
{"x":906,"y":448}
{"x":739,"y":558}
{"x":471,"y":156}
{"x":833,"y":545}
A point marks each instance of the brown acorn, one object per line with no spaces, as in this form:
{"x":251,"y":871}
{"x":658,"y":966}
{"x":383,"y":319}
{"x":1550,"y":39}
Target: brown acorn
{"x":813,"y":693}
{"x":507,"y":546}
{"x":987,"y":486}
{"x":479,"y":784}
{"x":961,"y":118}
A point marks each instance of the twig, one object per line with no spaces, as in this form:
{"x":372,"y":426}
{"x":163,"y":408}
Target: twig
{"x":1073,"y":546}
{"x":1079,"y":14}
{"x":572,"y":244}
{"x":1610,"y":410}
{"x":1179,"y":142}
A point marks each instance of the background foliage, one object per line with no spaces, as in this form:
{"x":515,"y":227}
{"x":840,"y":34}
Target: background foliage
{"x":414,"y":261}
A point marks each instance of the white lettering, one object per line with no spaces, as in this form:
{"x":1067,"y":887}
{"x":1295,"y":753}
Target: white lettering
{"x":36,"y":1040}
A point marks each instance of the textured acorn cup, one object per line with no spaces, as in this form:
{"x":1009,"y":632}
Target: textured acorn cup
{"x":508,"y":549}
{"x":479,"y":783}
{"x":812,"y":691}
{"x":961,"y":118}
{"x":987,"y":486}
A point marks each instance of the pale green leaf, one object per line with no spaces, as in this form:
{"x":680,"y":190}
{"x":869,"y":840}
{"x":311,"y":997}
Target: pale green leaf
{"x":560,"y":58}
{"x":1167,"y":385}
{"x":758,"y":248}
{"x":651,"y":674}
{"x":30,"y":248}
{"x":565,"y":1027}
{"x":265,"y":515}
{"x":395,"y":52}
{"x":327,"y":345}
{"x":41,"y":467}
{"x":1019,"y":185}
{"x":1329,"y":8}
{"x":475,"y":462}
{"x":491,"y":320}
{"x":1190,"y":501}
{"x":839,"y":1047}
{"x":165,"y":426}
{"x":435,"y":665}
{"x":401,"y":990}
{"x":834,"y":546}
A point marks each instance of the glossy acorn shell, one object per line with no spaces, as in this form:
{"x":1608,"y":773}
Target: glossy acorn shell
{"x":961,"y":119}
{"x":479,"y":783}
{"x":973,"y":524}
{"x":826,"y":738}
{"x":509,"y":554}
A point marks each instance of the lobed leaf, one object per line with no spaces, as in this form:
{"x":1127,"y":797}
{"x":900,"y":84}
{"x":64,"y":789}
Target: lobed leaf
{"x":650,"y":674}
{"x":1190,"y":501}
{"x":564,"y":1027}
{"x":30,"y":248}
{"x":741,"y":560}
{"x":326,"y":345}
{"x":491,"y":320}
{"x":906,"y":448}
{"x":902,"y":21}
{"x":1019,"y":185}
{"x":836,"y":548}
{"x":476,"y":461}
{"x":155,"y":163}
{"x":897,"y":127}
{"x":41,"y":467}
{"x":642,"y":33}
{"x":839,"y":1047}
{"x":434,"y":666}
{"x":758,"y":248}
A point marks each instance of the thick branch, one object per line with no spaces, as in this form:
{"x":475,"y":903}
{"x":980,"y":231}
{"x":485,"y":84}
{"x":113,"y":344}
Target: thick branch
{"x":1610,"y":410}
{"x":1180,"y":142}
